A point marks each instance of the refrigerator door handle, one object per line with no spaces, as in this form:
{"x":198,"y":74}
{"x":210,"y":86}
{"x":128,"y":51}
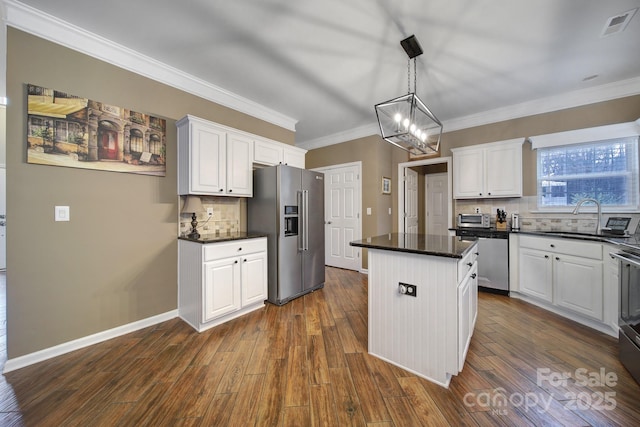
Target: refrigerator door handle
{"x":301,"y":224}
{"x":305,"y":220}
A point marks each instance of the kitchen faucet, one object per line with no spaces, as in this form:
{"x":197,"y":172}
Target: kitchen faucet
{"x":581,"y":201}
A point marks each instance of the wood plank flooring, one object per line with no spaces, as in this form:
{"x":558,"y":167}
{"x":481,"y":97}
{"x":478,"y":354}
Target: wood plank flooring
{"x":305,"y":364}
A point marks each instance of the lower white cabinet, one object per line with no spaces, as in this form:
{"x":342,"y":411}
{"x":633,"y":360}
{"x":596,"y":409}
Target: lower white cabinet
{"x":567,"y":276}
{"x":467,"y":303}
{"x":220,"y":281}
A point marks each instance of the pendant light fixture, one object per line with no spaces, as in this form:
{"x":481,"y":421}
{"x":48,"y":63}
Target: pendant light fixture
{"x":406,"y":122}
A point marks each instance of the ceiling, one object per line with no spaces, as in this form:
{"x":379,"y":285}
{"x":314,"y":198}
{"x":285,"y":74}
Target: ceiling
{"x":325,"y":64}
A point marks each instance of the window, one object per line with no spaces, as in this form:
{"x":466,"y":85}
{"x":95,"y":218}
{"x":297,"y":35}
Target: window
{"x":605,"y":170}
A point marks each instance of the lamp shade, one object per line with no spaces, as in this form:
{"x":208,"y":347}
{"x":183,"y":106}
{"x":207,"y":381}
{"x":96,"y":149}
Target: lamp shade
{"x":193,"y":204}
{"x":406,"y":122}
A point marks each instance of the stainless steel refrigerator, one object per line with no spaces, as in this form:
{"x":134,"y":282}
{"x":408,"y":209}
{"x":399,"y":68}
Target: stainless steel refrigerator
{"x":288,"y":206}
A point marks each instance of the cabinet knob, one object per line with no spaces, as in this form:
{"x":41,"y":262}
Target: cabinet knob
{"x":477,"y":253}
{"x":221,"y":190}
{"x":553,"y":246}
{"x":489,"y":194}
{"x":230,"y":190}
{"x":239,"y":249}
{"x":557,"y":258}
{"x":479,"y":194}
{"x":470,"y":264}
{"x":245,"y":260}
{"x":546,"y":256}
{"x":235,"y":262}
{"x":473,"y":276}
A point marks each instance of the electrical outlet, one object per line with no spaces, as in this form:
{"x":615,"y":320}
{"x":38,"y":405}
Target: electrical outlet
{"x":209,"y":212}
{"x":407,"y":289}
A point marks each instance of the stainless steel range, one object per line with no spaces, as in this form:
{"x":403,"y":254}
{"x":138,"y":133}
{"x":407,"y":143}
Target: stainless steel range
{"x":629,"y":321}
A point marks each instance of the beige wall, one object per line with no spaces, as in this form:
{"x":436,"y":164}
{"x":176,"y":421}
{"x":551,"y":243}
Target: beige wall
{"x":115,"y":262}
{"x":375,"y":161}
{"x":599,"y":114}
{"x":379,"y":159}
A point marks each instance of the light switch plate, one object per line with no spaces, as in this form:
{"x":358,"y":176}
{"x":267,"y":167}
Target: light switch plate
{"x":368,"y":211}
{"x":62,"y":213}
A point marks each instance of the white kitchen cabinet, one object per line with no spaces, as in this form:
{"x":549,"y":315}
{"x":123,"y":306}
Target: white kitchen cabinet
{"x":272,"y":153}
{"x":218,"y":282}
{"x":239,"y":165}
{"x":488,"y":170}
{"x":467,"y":302}
{"x":577,"y":284}
{"x":213,"y":159}
{"x":566,"y":273}
{"x":467,"y":312}
{"x":536,"y":274}
{"x":221,"y":288}
{"x":611,"y":288}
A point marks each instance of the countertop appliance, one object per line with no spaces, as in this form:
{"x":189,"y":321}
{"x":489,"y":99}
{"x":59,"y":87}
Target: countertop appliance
{"x":493,"y":258}
{"x":515,"y":221}
{"x":477,"y":220}
{"x":629,"y":320}
{"x":288,"y":206}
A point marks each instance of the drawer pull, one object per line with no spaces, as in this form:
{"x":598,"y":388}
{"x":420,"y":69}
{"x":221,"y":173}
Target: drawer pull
{"x":470,"y":264}
{"x":473,"y":276}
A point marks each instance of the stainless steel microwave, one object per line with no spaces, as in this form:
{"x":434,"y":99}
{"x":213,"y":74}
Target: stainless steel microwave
{"x":477,"y":220}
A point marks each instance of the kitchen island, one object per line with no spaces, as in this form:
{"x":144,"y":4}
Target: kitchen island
{"x":422,"y":302}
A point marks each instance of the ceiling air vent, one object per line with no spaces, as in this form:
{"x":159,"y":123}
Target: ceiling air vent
{"x":617,"y":23}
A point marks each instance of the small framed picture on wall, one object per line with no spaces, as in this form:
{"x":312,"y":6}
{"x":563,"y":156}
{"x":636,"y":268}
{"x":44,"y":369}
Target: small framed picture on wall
{"x":386,"y":185}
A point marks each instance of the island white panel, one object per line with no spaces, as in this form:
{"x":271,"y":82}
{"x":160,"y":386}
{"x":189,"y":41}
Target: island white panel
{"x":418,"y":333}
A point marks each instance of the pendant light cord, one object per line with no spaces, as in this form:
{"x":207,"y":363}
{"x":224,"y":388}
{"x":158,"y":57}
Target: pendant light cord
{"x":415,"y":76}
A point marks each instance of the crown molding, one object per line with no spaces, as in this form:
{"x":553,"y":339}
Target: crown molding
{"x":558,"y":102}
{"x":48,"y":27}
{"x":344,"y":136}
{"x":549,"y":104}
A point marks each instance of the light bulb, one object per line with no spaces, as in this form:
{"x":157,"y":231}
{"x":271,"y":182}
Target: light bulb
{"x":412,"y":128}
{"x":405,"y":122}
{"x":423,"y":137}
{"x":397,"y":117}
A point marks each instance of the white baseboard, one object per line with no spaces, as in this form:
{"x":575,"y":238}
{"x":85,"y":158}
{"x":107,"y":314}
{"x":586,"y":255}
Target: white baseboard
{"x":364,"y":271}
{"x":58,"y":350}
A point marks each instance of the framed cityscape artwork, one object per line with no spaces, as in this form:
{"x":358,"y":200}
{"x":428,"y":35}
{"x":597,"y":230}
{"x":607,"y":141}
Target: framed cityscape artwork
{"x":71,"y":131}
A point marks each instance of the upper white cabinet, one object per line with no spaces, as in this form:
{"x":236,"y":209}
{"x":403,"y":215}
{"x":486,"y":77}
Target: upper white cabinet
{"x":213,"y":159}
{"x":488,"y":170}
{"x":271,"y":153}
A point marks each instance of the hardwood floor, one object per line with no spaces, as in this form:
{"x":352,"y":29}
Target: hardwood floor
{"x":306,"y":364}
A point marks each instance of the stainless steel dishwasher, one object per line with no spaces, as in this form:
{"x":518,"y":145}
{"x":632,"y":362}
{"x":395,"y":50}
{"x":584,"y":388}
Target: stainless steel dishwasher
{"x":493,"y":258}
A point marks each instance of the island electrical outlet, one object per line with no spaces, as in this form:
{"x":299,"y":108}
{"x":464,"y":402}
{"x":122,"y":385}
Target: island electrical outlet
{"x":407,"y":289}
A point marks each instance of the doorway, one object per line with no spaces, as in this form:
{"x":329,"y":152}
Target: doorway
{"x":436,"y":189}
{"x":440,"y":165}
{"x":342,"y":205}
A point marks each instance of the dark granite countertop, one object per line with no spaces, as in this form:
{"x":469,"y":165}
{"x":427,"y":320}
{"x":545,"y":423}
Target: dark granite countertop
{"x":631,"y":241}
{"x":224,"y":237}
{"x":423,"y":244}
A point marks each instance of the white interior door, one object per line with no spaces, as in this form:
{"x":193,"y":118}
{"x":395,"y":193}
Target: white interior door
{"x":342,"y":215}
{"x":410,"y":201}
{"x":3,"y":221}
{"x":436,"y":204}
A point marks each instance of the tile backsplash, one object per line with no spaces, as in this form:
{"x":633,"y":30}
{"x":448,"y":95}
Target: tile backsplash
{"x":530,"y":220}
{"x":227,"y":216}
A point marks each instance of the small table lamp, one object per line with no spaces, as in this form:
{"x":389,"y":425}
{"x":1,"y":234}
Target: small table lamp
{"x":193,"y":205}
